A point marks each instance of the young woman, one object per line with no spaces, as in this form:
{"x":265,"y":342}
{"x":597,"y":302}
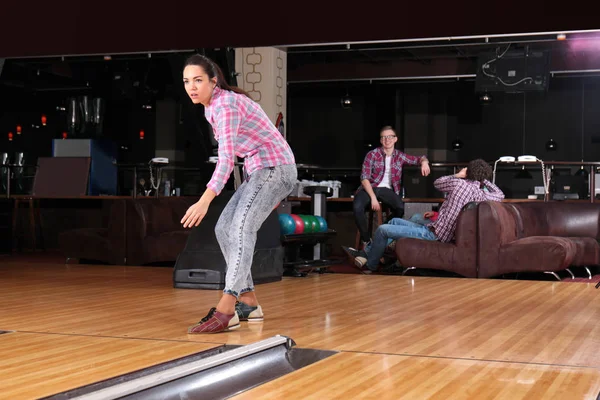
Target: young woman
{"x":242,"y":129}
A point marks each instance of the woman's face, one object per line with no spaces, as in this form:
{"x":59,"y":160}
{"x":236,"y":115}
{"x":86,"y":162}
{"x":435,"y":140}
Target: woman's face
{"x":198,"y":85}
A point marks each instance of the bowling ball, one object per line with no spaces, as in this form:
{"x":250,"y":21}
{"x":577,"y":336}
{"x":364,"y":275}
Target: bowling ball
{"x":307,"y":223}
{"x":314,"y":224}
{"x":299,"y":224}
{"x":287,"y":224}
{"x":322,"y":223}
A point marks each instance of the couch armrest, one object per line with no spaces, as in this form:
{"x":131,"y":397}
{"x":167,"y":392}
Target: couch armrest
{"x":137,"y":230}
{"x":530,"y":254}
{"x":156,"y":216}
{"x":149,"y":219}
{"x":137,"y":224}
{"x":459,"y":257}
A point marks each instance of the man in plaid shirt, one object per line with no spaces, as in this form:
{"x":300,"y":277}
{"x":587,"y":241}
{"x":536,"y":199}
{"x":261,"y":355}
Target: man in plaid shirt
{"x":380,"y":180}
{"x":470,"y":184}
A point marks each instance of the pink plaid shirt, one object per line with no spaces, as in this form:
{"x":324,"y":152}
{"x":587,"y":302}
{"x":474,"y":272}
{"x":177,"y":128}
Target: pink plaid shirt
{"x":373,"y":167}
{"x":243,"y":129}
{"x":460,"y":192}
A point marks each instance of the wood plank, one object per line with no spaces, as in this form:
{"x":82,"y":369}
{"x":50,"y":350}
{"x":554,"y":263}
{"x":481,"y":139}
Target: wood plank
{"x":551,"y":325}
{"x":486,"y":319}
{"x":381,"y":376}
{"x":39,"y":365}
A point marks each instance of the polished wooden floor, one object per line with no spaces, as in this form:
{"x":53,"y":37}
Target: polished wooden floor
{"x":397,"y":337}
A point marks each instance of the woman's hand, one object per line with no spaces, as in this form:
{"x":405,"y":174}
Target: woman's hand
{"x":195,"y":214}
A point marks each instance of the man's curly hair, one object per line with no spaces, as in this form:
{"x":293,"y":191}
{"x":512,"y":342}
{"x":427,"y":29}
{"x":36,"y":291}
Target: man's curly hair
{"x":479,"y":170}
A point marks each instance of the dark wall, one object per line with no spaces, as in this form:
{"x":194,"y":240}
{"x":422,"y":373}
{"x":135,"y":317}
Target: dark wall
{"x":322,"y":132}
{"x":513,"y":124}
{"x":130,"y":87}
{"x":123,"y":119}
{"x":516,"y":124}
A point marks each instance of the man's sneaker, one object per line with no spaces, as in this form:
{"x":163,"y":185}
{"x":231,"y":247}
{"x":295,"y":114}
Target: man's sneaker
{"x":360,"y":261}
{"x":216,"y":322}
{"x":248,"y":313}
{"x":353,"y":253}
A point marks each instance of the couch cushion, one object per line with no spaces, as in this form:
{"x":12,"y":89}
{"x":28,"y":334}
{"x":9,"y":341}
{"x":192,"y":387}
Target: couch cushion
{"x":534,"y":253}
{"x":559,"y":219}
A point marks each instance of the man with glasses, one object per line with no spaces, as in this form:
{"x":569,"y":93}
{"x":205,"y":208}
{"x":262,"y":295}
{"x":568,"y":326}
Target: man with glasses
{"x":380,"y":180}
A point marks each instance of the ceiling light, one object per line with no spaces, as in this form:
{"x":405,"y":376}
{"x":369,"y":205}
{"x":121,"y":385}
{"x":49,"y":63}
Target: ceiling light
{"x":457,"y":144}
{"x":346,"y":101}
{"x":551,"y":145}
{"x":486,"y":99}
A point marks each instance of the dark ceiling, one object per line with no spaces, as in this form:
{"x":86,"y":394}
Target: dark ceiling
{"x":435,"y":58}
{"x":72,"y":27}
{"x":50,"y":48}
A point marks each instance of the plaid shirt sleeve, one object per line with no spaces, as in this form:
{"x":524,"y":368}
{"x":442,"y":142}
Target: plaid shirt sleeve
{"x":227,"y":121}
{"x":411,"y":160}
{"x":494,"y":193}
{"x":367,"y":167}
{"x":446,"y":183}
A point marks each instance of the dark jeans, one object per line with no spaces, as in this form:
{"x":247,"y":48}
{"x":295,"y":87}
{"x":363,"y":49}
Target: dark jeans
{"x":362,"y":200}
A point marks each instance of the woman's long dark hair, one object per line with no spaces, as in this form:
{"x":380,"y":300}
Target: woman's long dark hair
{"x":212,"y":70}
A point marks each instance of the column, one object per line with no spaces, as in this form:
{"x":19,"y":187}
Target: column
{"x":263,"y":74}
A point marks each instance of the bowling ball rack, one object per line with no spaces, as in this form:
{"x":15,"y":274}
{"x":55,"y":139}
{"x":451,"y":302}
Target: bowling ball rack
{"x":294,"y":265}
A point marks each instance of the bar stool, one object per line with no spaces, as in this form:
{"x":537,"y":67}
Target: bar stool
{"x":383,"y":212}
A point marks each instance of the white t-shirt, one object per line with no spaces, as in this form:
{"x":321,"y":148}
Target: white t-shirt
{"x":387,"y":175}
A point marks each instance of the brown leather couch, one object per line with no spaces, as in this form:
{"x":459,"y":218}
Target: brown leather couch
{"x":137,"y":231}
{"x":495,"y":238}
{"x":536,"y":237}
{"x":107,"y":244}
{"x":154,"y":231}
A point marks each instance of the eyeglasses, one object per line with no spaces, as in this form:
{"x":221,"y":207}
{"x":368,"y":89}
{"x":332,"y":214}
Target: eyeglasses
{"x":388,"y":137}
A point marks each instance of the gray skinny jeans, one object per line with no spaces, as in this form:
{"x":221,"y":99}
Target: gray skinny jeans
{"x":243,"y":216}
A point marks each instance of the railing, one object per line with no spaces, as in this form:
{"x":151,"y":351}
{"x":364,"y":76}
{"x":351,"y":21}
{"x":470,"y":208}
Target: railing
{"x":349,"y":173}
{"x":591,"y":167}
{"x":7,"y":175}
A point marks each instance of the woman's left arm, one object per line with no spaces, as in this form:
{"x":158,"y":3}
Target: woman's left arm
{"x":227,"y":124}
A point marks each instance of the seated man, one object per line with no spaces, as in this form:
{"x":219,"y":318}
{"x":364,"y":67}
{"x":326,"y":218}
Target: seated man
{"x":380,"y":180}
{"x":470,"y":184}
{"x":427,"y":218}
